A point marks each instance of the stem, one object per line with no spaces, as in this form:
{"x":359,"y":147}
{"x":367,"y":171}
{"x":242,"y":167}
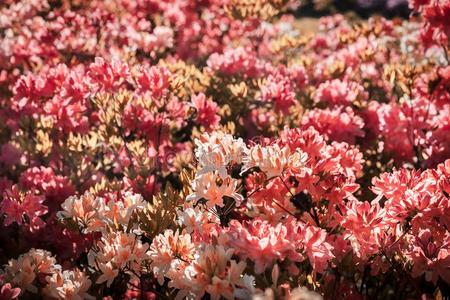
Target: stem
{"x":283,"y":208}
{"x":363,"y":280}
{"x":313,"y":215}
{"x":337,"y":278}
{"x":446,"y":54}
{"x":285,"y":185}
{"x":273,"y":200}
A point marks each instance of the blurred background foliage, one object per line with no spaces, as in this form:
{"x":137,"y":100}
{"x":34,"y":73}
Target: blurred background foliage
{"x":361,"y":8}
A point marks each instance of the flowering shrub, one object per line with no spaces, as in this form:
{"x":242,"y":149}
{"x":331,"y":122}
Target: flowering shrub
{"x":215,"y":149}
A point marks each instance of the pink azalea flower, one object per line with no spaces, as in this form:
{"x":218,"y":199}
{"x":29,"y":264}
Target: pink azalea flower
{"x":206,"y":111}
{"x":16,"y":206}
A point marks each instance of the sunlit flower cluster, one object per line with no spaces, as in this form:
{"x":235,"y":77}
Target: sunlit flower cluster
{"x":118,"y":253}
{"x":37,"y":272}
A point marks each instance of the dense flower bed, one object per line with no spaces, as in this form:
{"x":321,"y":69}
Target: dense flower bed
{"x":213,"y":149}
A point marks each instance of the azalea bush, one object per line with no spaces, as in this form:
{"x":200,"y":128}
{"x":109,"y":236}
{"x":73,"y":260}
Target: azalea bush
{"x":218,"y":150}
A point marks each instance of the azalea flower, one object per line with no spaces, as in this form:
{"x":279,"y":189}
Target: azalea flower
{"x":214,"y":152}
{"x":213,"y":188}
{"x":108,"y":274}
{"x":167,"y":249}
{"x":72,"y":284}
{"x":264,"y":243}
{"x":272,"y":160}
{"x":206,"y":111}
{"x":16,"y":206}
